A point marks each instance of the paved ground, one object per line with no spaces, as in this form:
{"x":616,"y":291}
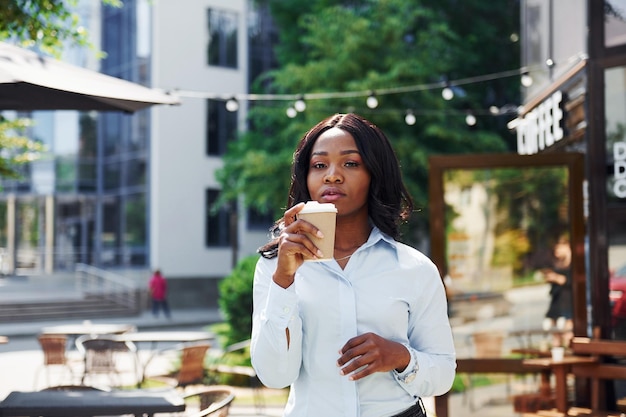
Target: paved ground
{"x":21,"y":360}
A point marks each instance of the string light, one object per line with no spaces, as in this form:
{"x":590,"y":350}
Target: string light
{"x":291,"y":112}
{"x":372,"y":101}
{"x":300,"y":104}
{"x":447,"y":93}
{"x":232,"y":105}
{"x":410,"y":118}
{"x":379,"y":91}
{"x":526,"y":79}
{"x":470,"y":119}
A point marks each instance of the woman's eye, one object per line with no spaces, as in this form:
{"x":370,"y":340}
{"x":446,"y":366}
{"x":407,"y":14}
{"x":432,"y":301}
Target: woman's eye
{"x":352,"y":164}
{"x":317,"y":165}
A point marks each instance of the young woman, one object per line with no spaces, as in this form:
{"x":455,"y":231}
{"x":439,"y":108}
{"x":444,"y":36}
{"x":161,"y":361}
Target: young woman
{"x":366,"y":334}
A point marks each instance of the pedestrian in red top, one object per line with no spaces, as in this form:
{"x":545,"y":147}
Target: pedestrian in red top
{"x":158,"y":291}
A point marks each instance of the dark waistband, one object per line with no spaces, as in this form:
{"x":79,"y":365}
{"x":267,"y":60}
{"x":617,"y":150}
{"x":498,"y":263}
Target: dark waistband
{"x":416,"y":410}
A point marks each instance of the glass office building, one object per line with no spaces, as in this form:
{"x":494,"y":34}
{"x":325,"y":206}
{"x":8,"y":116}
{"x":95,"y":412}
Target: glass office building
{"x":104,"y":192}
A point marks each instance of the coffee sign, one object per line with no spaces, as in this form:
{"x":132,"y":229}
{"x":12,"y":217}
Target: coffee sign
{"x":542,"y":126}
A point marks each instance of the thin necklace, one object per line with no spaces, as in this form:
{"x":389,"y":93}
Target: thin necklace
{"x":345,"y":257}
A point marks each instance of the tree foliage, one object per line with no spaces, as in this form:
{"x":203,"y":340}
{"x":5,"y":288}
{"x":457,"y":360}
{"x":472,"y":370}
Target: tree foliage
{"x":235,"y":300}
{"x":47,"y":24}
{"x":341,"y":46}
{"x":15,"y":149}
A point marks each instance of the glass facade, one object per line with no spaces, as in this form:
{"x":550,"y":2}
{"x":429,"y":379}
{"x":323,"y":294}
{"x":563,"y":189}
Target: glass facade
{"x":614,"y":23}
{"x":122,"y":224}
{"x":551,"y":31}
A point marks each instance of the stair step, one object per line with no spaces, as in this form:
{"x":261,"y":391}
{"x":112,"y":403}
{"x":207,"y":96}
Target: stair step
{"x":23,"y":311}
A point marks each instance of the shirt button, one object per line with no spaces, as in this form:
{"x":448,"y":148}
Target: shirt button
{"x":285,"y":309}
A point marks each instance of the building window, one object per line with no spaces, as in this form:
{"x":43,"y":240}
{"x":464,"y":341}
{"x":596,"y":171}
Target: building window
{"x":222,"y":42}
{"x":262,"y":39}
{"x":221,"y":127}
{"x":217,"y":232}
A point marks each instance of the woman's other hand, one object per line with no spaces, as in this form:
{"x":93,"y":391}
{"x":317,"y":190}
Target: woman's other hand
{"x":368,"y":353}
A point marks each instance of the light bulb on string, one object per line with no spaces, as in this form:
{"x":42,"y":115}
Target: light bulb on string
{"x":447,"y":93}
{"x":494,"y":110}
{"x":526,"y":79}
{"x":409,"y":118}
{"x":470,"y":119}
{"x":232,"y":105}
{"x":550,"y":62}
{"x":300,"y":104}
{"x":291,"y":112}
{"x":372,"y":101}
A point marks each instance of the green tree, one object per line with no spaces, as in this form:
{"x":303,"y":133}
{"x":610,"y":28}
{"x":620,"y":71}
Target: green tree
{"x":15,"y":148}
{"x":47,"y":24}
{"x":340,"y":46}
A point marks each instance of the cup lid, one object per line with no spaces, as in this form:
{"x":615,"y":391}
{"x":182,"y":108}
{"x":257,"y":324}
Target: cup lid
{"x":316,"y":207}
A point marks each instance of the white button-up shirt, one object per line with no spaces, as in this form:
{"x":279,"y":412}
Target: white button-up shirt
{"x":386,"y":288}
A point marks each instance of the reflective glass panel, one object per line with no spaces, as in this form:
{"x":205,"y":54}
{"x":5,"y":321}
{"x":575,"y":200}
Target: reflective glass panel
{"x":614,"y":22}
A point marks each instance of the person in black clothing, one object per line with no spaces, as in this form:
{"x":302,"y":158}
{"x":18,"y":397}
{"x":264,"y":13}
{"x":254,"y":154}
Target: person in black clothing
{"x":559,"y":312}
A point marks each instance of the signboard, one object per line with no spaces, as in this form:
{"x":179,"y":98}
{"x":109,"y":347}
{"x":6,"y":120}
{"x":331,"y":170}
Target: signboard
{"x":542,"y":127}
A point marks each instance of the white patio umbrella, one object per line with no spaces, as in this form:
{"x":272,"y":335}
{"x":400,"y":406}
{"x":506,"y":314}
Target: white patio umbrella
{"x":29,"y":81}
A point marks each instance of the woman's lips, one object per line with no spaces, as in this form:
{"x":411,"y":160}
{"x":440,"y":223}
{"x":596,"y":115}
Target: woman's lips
{"x":331,"y":195}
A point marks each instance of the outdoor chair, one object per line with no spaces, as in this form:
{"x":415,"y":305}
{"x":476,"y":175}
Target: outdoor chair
{"x":54,"y":353}
{"x":191,"y":369}
{"x":103,"y":355}
{"x":222,"y":367}
{"x":213,"y":401}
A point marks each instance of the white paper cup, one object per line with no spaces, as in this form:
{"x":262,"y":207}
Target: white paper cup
{"x":324,"y":217}
{"x":558,"y":352}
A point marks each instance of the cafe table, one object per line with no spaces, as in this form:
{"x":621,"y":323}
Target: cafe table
{"x":91,"y":403}
{"x":154,"y":338}
{"x":560,"y":368}
{"x":87,"y":327}
{"x":164,"y":336}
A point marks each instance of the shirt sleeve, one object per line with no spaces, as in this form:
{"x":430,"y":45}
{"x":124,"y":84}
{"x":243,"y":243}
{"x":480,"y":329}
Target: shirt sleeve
{"x":275,"y":310}
{"x":430,"y":338}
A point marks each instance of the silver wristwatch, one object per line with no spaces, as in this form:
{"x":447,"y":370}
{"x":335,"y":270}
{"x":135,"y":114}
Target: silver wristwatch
{"x":409,"y":376}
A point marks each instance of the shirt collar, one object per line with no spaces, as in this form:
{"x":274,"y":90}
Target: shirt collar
{"x":376,"y":235}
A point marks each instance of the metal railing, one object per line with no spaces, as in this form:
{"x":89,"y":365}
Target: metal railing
{"x":107,"y":285}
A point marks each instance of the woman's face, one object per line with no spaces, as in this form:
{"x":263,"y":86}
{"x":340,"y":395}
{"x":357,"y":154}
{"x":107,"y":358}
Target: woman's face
{"x":337,"y":173}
